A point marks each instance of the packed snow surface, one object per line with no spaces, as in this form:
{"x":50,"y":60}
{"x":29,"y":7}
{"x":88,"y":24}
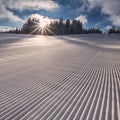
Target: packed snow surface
{"x":74,"y":77}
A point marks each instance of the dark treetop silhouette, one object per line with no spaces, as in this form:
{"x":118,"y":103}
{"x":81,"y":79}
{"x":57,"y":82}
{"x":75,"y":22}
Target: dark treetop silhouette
{"x":57,"y":27}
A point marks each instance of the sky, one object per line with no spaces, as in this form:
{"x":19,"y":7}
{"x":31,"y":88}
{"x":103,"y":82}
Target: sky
{"x":93,"y":13}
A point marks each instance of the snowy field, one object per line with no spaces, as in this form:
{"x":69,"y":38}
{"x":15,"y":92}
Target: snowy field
{"x":75,"y":77}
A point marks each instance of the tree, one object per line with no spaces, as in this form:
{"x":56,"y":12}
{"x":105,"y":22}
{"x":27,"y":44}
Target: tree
{"x":113,"y":30}
{"x":79,"y":27}
{"x":61,"y":27}
{"x":67,"y":25}
{"x":57,"y":27}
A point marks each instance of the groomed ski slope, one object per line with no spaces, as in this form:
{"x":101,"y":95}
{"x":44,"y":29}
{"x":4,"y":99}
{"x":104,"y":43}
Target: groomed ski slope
{"x":75,"y":77}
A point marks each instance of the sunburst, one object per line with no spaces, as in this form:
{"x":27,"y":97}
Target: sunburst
{"x":41,"y":26}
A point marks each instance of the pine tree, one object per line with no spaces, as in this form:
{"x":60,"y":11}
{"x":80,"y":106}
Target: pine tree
{"x":67,"y":26}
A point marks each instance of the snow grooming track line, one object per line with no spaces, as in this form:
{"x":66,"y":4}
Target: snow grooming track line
{"x":99,"y":97}
{"x":108,"y":93}
{"x":24,"y":100}
{"x":87,"y":97}
{"x":92,"y":95}
{"x":112,"y":87}
{"x":75,"y":99}
{"x":43,"y":85}
{"x":36,"y":95}
{"x":67,"y":107}
{"x":104,"y":94}
{"x":66,"y":101}
{"x":99,"y":88}
{"x":38,"y":111}
{"x":43,"y":99}
{"x":17,"y":95}
{"x":63,"y":110}
{"x":116,"y":77}
{"x":81,"y":97}
{"x":17,"y":87}
{"x":36,"y":105}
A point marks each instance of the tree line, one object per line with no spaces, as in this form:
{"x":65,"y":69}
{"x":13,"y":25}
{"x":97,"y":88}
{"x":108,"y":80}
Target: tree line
{"x":57,"y":27}
{"x":113,"y":30}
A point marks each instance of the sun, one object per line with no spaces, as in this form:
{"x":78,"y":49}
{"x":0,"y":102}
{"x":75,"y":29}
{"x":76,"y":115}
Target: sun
{"x":42,"y":24}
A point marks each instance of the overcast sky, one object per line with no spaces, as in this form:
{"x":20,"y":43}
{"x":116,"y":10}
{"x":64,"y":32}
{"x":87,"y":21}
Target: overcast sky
{"x":93,"y":13}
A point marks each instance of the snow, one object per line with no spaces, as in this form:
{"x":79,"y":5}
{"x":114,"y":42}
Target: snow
{"x":72,"y":77}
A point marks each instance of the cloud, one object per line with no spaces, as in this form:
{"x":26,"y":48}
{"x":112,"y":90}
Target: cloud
{"x":108,"y":7}
{"x":100,"y":23}
{"x":42,"y":18}
{"x":108,"y":27}
{"x":5,"y":28}
{"x":115,"y":20}
{"x":7,"y":5}
{"x":31,"y":4}
{"x":82,"y":18}
{"x":6,"y":14}
{"x":83,"y":5}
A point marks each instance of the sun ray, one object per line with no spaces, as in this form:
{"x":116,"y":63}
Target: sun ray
{"x":40,"y":26}
{"x":49,"y":30}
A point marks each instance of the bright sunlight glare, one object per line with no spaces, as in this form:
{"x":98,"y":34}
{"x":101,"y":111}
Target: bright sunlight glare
{"x":42,"y":25}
